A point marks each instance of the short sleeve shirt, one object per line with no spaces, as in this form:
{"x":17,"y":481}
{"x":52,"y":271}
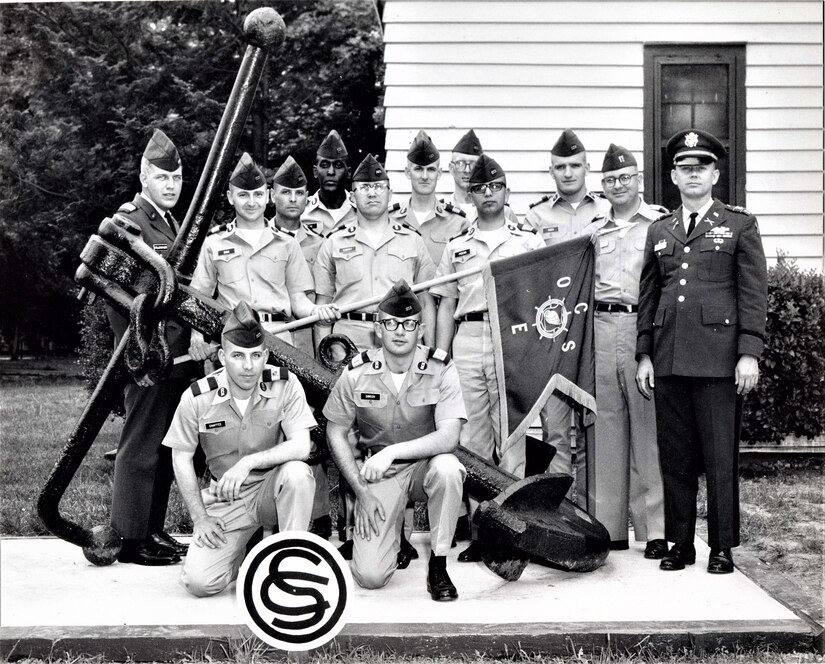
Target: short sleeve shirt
{"x":555,"y":220}
{"x":444,"y":222}
{"x":323,"y":220}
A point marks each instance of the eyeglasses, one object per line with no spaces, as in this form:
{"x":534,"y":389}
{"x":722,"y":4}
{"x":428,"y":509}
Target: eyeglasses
{"x":324,"y":164}
{"x":481,"y":188}
{"x":464,"y":164}
{"x":623,"y":179}
{"x":391,"y":324}
{"x":365,"y":187}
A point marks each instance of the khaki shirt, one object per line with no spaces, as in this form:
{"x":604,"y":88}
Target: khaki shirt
{"x":366,"y":395}
{"x":620,"y":253}
{"x":348,"y":269}
{"x":207,"y":415}
{"x":262,"y":276}
{"x":467,"y":251}
{"x":323,"y":220}
{"x":308,"y":240}
{"x":445,"y":221}
{"x":556,"y":220}
{"x":472,"y":213}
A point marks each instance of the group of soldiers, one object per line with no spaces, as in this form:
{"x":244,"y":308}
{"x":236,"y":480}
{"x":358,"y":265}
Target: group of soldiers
{"x":686,"y":328}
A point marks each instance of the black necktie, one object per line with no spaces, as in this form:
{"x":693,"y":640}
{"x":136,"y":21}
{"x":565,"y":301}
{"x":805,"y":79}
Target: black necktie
{"x":171,"y":221}
{"x":692,"y":222}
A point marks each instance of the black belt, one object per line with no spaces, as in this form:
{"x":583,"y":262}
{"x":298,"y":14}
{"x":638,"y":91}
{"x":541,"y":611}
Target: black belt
{"x":363,"y":316}
{"x":271,"y":318}
{"x":473,"y":316}
{"x":616,"y":308}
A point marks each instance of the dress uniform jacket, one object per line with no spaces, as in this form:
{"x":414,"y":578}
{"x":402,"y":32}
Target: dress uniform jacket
{"x":622,"y":452}
{"x":143,"y":471}
{"x":208,"y":415}
{"x":702,"y":304}
{"x":323,"y":220}
{"x":263,"y":275}
{"x":444,"y":222}
{"x":556,"y":220}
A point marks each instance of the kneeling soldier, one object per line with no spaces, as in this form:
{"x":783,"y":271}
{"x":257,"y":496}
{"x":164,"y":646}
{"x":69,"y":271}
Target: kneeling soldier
{"x":406,"y":403}
{"x":253,"y":425}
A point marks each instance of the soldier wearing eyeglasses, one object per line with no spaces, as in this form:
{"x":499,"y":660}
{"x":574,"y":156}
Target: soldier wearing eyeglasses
{"x":364,"y":258}
{"x":330,"y":206}
{"x":701,"y":330}
{"x":464,"y":304}
{"x":559,"y":217}
{"x":621,"y":448}
{"x":405,"y":402}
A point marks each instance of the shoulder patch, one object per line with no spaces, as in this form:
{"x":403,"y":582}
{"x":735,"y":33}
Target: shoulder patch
{"x":736,"y":208}
{"x":127,"y":207}
{"x":438,"y":354}
{"x":359,"y":359}
{"x":449,"y":207}
{"x":543,"y":199}
{"x":204,"y":385}
{"x":271,"y":374}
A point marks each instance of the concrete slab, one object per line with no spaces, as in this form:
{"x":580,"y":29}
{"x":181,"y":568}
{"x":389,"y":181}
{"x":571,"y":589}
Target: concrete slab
{"x":53,"y":601}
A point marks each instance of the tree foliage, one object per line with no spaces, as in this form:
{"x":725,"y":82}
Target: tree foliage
{"x":84,"y":85}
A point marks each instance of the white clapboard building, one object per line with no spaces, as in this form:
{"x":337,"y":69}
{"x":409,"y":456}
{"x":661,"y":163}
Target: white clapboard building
{"x":630,"y":72}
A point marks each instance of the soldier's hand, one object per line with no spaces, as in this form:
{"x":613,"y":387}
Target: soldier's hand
{"x":208,"y":532}
{"x":746,"y":374}
{"x":328,"y":313}
{"x":200,"y":350}
{"x":369,"y":512}
{"x":375,"y":468}
{"x":644,"y":377}
{"x":229,"y":486}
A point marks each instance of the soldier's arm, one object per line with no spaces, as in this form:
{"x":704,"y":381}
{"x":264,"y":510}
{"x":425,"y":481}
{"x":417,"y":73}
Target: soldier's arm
{"x":649,"y":293}
{"x":752,"y":302}
{"x":445,"y":323}
{"x":204,"y":280}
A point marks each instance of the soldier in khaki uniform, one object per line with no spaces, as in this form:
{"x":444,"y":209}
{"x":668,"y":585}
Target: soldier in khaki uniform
{"x":364,"y":258}
{"x":330,"y":206}
{"x":622,"y":450}
{"x":563,"y":216}
{"x":464,"y":303}
{"x":251,"y":261}
{"x":701,"y":330}
{"x":406,"y":403}
{"x":437,"y":222}
{"x":253,"y":425}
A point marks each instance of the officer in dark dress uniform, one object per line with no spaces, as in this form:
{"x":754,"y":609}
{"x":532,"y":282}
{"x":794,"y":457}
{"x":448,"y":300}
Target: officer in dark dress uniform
{"x":701,"y":329}
{"x":143,"y":469}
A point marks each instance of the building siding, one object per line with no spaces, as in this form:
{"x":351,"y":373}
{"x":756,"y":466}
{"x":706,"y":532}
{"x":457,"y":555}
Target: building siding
{"x":520,"y":72}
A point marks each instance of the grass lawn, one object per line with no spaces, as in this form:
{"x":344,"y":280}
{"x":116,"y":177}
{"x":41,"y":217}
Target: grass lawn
{"x":783,"y":506}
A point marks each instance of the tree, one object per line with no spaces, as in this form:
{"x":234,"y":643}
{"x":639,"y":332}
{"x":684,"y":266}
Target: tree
{"x":85,"y":84}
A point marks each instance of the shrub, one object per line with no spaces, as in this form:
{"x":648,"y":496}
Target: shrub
{"x":791,"y":392}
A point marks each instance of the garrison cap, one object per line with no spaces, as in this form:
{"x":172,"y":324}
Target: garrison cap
{"x":290,"y":175}
{"x":617,"y":157}
{"x":567,"y":145}
{"x":400,"y":301}
{"x":247,"y":175}
{"x":332,"y":147}
{"x":468,"y":144}
{"x":486,"y":169}
{"x":370,"y":170}
{"x":243,"y":327}
{"x":161,"y":152}
{"x":695,"y":143}
{"x":422,"y":151}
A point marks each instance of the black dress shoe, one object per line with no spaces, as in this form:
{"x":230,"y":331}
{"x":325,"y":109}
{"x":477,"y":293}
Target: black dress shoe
{"x":407,"y":553}
{"x":678,"y":556}
{"x":164,"y":540}
{"x":619,"y":545}
{"x":472,"y":554}
{"x":438,"y":581}
{"x":346,"y":550}
{"x":720,"y":561}
{"x":655,"y":549}
{"x":145,"y":552}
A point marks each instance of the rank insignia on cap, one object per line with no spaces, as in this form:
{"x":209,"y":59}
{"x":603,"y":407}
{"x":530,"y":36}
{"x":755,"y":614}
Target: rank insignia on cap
{"x":468,"y":144}
{"x":691,"y":139}
{"x":161,"y":152}
{"x":485,"y":170}
{"x":400,"y":301}
{"x":567,"y":145}
{"x":617,"y":157}
{"x":422,"y":151}
{"x":290,"y":175}
{"x":332,"y":147}
{"x":247,"y":175}
{"x":696,"y":143}
{"x":243,"y":327}
{"x":369,"y":170}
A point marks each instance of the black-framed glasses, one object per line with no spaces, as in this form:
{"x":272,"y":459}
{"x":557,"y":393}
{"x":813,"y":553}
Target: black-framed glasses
{"x":391,"y":324}
{"x":481,"y":188}
{"x":624,"y":179}
{"x":377,"y":187}
{"x":464,"y":164}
